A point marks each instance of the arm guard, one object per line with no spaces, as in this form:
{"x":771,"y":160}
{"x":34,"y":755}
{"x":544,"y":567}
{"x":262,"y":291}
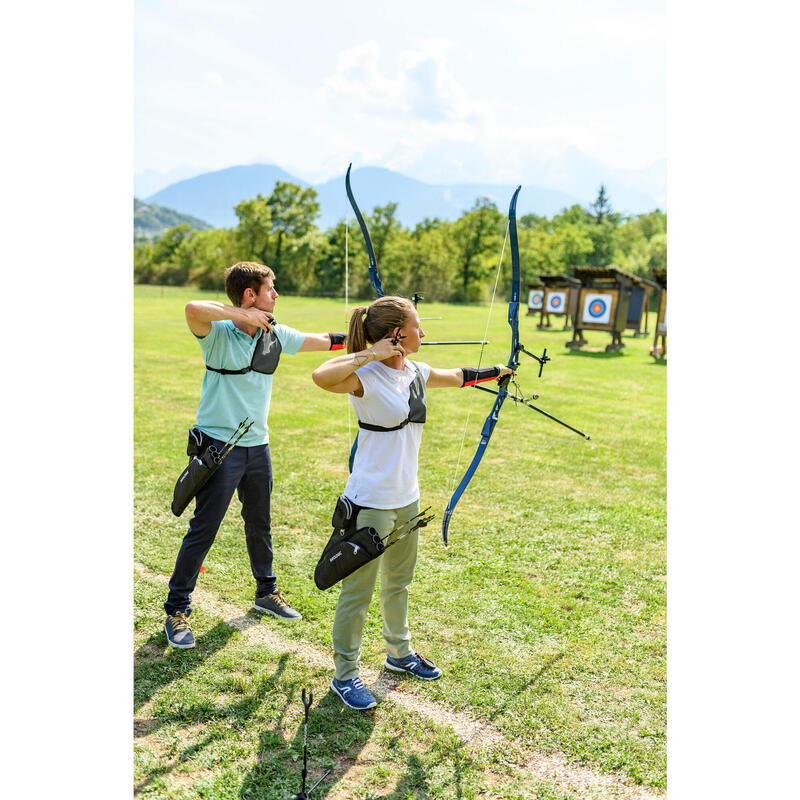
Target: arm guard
{"x":337,"y":341}
{"x":479,"y":375}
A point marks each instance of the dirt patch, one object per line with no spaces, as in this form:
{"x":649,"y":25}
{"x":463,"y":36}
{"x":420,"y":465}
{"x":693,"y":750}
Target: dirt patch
{"x":475,"y":734}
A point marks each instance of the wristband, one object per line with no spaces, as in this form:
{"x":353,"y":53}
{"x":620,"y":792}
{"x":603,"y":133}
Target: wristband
{"x":337,"y":341}
{"x":473,"y":375}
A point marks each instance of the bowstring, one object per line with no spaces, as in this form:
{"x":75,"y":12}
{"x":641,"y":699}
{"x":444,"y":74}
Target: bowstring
{"x":480,"y":359}
{"x":346,"y":308}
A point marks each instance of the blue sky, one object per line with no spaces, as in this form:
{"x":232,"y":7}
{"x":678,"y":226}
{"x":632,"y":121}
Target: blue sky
{"x":312,"y":86}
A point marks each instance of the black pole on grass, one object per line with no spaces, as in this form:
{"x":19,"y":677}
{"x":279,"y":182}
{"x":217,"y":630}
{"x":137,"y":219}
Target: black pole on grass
{"x":305,"y":795}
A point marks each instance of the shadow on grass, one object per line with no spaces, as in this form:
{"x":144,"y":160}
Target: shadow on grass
{"x":590,"y":354}
{"x":512,"y":697}
{"x":156,"y":664}
{"x":336,"y":737}
{"x":237,"y":713}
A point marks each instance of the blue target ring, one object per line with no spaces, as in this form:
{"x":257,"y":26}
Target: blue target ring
{"x":597,"y":308}
{"x":536,"y":299}
{"x":555,"y":301}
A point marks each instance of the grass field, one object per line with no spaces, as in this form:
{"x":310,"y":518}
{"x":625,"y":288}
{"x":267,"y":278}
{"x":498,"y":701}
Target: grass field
{"x":547,"y":612}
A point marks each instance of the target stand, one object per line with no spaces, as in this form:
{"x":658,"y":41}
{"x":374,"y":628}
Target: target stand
{"x":535,"y":298}
{"x":603,"y":303}
{"x":661,"y":321}
{"x":560,"y":300}
{"x":639,"y":306}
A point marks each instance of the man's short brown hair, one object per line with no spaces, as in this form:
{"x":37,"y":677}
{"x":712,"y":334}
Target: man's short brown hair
{"x":245,"y":275}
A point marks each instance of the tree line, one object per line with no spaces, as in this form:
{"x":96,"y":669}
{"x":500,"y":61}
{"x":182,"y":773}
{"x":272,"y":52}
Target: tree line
{"x":445,"y":260}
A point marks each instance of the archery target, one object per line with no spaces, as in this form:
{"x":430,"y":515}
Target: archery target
{"x":535,"y":299}
{"x":556,"y":302}
{"x":596,"y":308}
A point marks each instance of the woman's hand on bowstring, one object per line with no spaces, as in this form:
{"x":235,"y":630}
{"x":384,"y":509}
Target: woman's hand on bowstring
{"x":388,"y":348}
{"x":504,"y":370}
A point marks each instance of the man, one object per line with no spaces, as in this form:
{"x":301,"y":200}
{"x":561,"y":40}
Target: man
{"x":241,"y":346}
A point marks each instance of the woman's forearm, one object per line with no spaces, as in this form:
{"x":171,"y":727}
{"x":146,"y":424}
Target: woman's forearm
{"x":335,"y":370}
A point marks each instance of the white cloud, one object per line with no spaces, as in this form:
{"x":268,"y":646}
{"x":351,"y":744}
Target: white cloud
{"x":214,"y":78}
{"x":422,"y":87}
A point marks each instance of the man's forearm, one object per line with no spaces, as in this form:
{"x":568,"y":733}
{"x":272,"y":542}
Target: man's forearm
{"x":213,"y":311}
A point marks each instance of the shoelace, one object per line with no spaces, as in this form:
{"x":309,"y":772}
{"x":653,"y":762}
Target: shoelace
{"x":280,"y":599}
{"x":357,"y":683}
{"x":179,"y":622}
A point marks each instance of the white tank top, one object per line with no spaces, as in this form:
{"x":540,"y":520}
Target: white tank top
{"x":385,"y":467}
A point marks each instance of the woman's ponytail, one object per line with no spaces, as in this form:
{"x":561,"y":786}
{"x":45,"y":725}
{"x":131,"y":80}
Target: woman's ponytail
{"x":356,"y":336}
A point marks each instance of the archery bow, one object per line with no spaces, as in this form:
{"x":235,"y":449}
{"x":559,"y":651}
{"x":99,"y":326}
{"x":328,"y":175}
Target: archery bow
{"x":513,"y":364}
{"x":374,"y":278}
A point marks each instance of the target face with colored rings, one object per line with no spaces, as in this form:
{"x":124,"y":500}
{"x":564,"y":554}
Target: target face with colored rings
{"x":556,"y":302}
{"x":597,"y":308}
{"x":535,"y":299}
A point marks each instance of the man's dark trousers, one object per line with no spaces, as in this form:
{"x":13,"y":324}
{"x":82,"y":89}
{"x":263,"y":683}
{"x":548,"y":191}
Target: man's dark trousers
{"x":248,"y":469}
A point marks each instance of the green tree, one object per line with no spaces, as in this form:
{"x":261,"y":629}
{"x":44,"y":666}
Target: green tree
{"x":292,"y":211}
{"x":209,"y":254}
{"x":255,"y":227}
{"x":477,"y":238}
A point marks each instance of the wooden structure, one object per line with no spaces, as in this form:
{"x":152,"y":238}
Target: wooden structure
{"x":661,"y":321}
{"x":639,"y":305}
{"x":560,"y":299}
{"x":535,"y":297}
{"x":603,"y":302}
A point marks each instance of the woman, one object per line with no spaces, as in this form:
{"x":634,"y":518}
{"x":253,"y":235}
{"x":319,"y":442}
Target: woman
{"x":387,"y":392}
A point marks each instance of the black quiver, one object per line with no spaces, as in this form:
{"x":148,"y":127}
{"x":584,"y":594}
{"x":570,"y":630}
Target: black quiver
{"x":348,"y":548}
{"x":203,"y":463}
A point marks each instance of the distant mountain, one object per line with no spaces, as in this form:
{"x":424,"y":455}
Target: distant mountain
{"x":376,"y":186}
{"x":152,"y":220}
{"x":631,"y":191}
{"x":149,"y":181}
{"x":213,"y":195}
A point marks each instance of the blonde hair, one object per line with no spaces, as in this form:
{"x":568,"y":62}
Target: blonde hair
{"x":370,"y":324}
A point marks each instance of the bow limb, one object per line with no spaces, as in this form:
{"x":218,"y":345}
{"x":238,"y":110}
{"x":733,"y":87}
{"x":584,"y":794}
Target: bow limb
{"x":513,"y":363}
{"x":486,"y":433}
{"x":374,"y":278}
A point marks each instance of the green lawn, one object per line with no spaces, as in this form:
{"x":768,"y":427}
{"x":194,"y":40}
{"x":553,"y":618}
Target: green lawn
{"x":547,"y":611}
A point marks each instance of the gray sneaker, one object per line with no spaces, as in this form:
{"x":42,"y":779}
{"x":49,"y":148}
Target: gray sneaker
{"x":277,"y":605}
{"x":179,"y":632}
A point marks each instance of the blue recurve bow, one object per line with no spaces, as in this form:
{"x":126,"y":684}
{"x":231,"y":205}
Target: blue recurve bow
{"x":374,"y":278}
{"x":513,"y":363}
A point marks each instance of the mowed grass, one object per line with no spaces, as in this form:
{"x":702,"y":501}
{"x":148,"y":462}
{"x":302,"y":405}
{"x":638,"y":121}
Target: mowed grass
{"x":547,"y":611}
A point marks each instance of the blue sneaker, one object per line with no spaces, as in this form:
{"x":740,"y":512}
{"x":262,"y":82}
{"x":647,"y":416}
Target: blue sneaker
{"x":178,"y":630}
{"x":354,"y":694}
{"x":416,"y":665}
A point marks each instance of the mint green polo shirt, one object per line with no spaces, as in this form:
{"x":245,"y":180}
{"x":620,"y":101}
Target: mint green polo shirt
{"x":225,"y":400}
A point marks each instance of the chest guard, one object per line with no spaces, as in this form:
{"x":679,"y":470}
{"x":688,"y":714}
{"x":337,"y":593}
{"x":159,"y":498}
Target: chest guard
{"x":417,"y":407}
{"x":265,"y":357}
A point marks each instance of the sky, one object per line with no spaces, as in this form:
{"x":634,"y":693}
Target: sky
{"x":311,"y":86}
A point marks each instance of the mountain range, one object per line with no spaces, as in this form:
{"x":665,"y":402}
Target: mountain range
{"x":211,"y":196}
